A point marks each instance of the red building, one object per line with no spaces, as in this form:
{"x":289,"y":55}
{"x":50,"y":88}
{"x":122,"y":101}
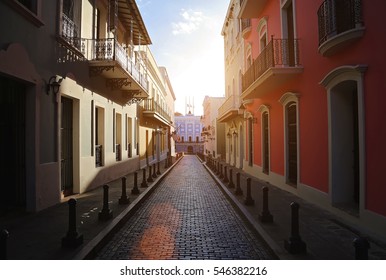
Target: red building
{"x":313,"y":90}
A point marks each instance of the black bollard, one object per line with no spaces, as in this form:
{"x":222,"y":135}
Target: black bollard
{"x":221,"y":173}
{"x":158,"y":171}
{"x":150,"y":178}
{"x":361,"y":248}
{"x":238,"y":191}
{"x":124,"y":198}
{"x":248,"y":200}
{"x":231,"y":185}
{"x":218,"y":168}
{"x":72,"y":238}
{"x":106,"y":212}
{"x":135,"y":189}
{"x":166,"y":162}
{"x":226,"y":174}
{"x":154,"y":171}
{"x":265,"y":215}
{"x":295,"y":245}
{"x":144,"y":183}
{"x":4,"y":235}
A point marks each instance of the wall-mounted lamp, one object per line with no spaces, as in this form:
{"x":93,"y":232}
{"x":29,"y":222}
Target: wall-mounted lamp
{"x":53,"y":85}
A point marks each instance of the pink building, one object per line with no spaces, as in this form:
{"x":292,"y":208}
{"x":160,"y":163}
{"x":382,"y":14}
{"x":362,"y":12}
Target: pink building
{"x":313,"y":91}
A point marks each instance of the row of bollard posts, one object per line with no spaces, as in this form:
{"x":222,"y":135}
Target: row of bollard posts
{"x":294,"y":244}
{"x":73,"y":238}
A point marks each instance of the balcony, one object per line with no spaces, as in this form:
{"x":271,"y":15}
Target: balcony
{"x":117,"y":71}
{"x":125,"y":78}
{"x":278,"y":63}
{"x":251,"y":8}
{"x":340,"y":24}
{"x":151,"y":109}
{"x":205,"y":131}
{"x":229,"y":109}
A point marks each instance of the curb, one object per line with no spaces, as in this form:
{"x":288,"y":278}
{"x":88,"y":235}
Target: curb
{"x":90,"y":250}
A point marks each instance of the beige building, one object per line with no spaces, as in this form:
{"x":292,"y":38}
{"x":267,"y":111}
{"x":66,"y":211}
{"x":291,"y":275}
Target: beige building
{"x":72,"y":74}
{"x":213,"y":132}
{"x":231,"y":111}
{"x":156,"y":114}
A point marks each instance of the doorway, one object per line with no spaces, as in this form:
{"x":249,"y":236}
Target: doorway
{"x":66,"y":135}
{"x":12,"y":145}
{"x":345,"y":173}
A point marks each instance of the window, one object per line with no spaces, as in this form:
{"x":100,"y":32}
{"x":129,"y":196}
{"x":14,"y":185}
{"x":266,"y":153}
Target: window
{"x":118,"y":137}
{"x":265,"y":139}
{"x":129,"y":133}
{"x":71,"y":18}
{"x":30,"y":9}
{"x":262,"y":31}
{"x":29,"y":4}
{"x":290,"y":106}
{"x":99,"y":136}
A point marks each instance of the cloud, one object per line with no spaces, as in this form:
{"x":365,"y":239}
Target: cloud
{"x":191,"y":22}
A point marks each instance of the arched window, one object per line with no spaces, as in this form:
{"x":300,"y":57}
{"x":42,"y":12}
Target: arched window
{"x":291,"y":143}
{"x":263,"y":33}
{"x":265,"y":138}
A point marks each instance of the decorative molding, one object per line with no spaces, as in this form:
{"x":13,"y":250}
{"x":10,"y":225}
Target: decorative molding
{"x":134,"y":96}
{"x":288,"y":97}
{"x":357,"y":70}
{"x":98,"y":70}
{"x":117,"y":83}
{"x":263,"y":108}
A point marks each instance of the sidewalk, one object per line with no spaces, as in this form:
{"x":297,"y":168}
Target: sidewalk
{"x":326,"y":236}
{"x":38,"y":236}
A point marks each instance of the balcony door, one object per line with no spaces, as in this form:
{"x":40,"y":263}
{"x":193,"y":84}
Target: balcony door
{"x":289,"y":31}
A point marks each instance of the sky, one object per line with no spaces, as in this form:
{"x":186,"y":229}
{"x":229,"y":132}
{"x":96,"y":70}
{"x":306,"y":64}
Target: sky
{"x":186,"y":39}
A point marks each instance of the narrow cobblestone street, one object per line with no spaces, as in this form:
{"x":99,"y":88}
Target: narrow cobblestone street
{"x":187,"y":217}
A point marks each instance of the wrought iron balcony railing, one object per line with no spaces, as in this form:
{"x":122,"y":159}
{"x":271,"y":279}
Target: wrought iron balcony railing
{"x":110,"y":50}
{"x":278,"y":53}
{"x":129,"y":151}
{"x":338,"y":16}
{"x":71,"y":33}
{"x":98,"y":155}
{"x":118,"y":155}
{"x":103,"y":50}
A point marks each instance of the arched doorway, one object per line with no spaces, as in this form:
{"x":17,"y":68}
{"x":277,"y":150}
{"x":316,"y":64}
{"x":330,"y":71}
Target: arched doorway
{"x":346,"y":131}
{"x":345,"y":145}
{"x":190,"y":149}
